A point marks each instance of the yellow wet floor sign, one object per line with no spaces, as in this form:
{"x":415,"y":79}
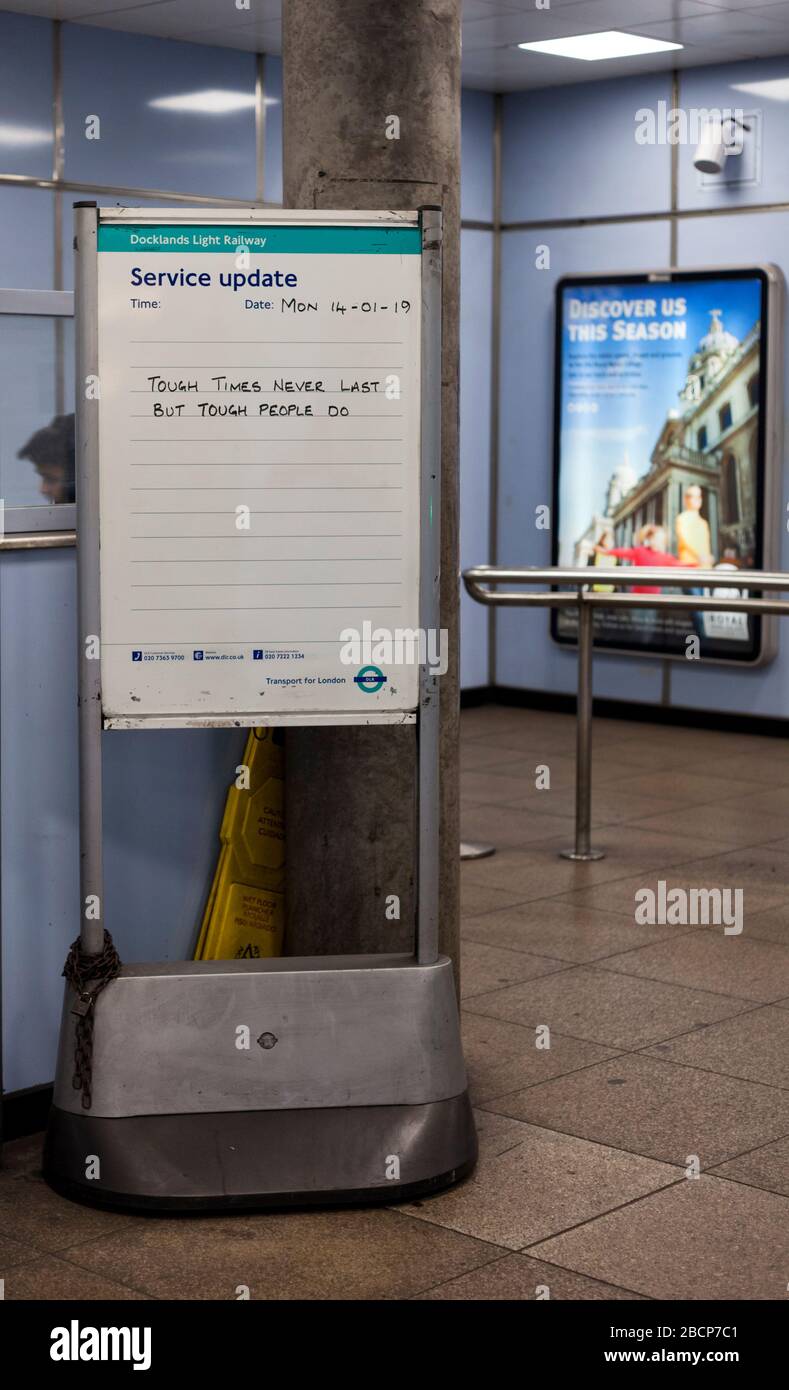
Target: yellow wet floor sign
{"x":244,"y":916}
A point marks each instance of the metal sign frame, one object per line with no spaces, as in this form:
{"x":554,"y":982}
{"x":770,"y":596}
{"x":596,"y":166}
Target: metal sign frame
{"x":91,"y":722}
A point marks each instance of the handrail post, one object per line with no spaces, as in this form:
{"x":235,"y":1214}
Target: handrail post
{"x":583,"y":851}
{"x":482,"y":583}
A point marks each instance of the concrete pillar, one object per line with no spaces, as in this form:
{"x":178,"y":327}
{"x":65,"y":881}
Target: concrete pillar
{"x":350,"y":793}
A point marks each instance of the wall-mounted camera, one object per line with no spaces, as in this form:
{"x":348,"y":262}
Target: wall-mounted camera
{"x":719,"y":141}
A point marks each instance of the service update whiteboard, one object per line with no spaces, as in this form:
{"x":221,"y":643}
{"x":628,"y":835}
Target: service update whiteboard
{"x":259,"y":448}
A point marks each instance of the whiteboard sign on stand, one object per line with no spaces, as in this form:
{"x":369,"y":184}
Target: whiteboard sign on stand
{"x":259,"y":443}
{"x":364,"y":1096}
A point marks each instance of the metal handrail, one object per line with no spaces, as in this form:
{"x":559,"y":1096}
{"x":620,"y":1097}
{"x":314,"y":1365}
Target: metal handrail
{"x":482,"y":583}
{"x":37,"y":540}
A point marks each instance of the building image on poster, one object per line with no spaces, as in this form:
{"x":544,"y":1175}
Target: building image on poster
{"x":660,"y":447}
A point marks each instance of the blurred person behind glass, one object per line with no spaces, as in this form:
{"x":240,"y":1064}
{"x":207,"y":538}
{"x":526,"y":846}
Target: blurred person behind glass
{"x":52,"y":454}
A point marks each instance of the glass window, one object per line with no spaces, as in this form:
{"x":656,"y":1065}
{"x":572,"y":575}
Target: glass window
{"x":27,"y":226}
{"x":36,"y":411}
{"x":753,"y":389}
{"x":724,"y":415}
{"x":702,"y":438}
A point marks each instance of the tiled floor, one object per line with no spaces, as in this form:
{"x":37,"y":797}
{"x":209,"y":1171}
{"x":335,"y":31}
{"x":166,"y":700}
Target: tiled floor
{"x":668,"y":1056}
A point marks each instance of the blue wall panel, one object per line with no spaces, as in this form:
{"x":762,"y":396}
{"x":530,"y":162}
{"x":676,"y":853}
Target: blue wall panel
{"x":568,"y":154}
{"x":476,"y":154}
{"x":116,"y":76}
{"x":572,"y":152}
{"x":526,"y":655}
{"x":38,"y":795}
{"x":476,"y":285}
{"x":741,"y":239}
{"x":476,"y":267}
{"x":721,"y":87}
{"x":27,"y":238}
{"x":26,"y":67}
{"x":272,"y":151}
{"x":164,"y":793}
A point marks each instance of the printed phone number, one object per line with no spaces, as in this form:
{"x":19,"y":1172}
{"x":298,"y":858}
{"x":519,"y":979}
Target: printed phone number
{"x":280,"y":656}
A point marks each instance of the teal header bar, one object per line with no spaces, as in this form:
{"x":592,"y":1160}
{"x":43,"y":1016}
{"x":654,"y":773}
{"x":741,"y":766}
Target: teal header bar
{"x":143,"y":239}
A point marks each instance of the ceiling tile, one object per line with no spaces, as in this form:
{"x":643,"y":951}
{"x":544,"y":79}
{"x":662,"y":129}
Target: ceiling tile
{"x":177,"y":18}
{"x":46,"y":9}
{"x":485,"y":9}
{"x":88,"y":10}
{"x":510,"y":30}
{"x":625,"y":14}
{"x":253,"y":38}
{"x":779,"y":12}
{"x":510,"y":70}
{"x":582,"y":17}
{"x":721,"y":27}
{"x":529,"y":6}
{"x":734,"y":4}
{"x":712,"y":31}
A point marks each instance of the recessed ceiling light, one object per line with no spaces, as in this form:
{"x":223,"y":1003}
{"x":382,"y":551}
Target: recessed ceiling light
{"x":774,"y":89}
{"x":612,"y":43}
{"x":212,"y":102}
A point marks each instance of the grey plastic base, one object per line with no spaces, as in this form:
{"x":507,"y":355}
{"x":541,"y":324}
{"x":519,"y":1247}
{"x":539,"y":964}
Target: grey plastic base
{"x":272,"y":1082}
{"x":263,"y":1158}
{"x":292,"y":1033}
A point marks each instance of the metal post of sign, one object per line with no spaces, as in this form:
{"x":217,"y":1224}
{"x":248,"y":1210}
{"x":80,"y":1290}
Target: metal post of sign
{"x":428,"y":730}
{"x":428,"y":725}
{"x":88,"y":582}
{"x":353,"y":1084}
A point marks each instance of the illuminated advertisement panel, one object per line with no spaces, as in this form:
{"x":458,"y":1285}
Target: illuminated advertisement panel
{"x":667,"y":446}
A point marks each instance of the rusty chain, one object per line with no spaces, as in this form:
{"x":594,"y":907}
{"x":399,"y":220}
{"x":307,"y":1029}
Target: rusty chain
{"x":88,"y":976}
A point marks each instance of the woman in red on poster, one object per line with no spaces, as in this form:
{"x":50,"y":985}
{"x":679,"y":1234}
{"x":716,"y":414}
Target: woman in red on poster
{"x":648,"y":550}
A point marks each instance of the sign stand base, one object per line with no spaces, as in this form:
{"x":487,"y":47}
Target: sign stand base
{"x":220,"y":1084}
{"x":259,"y":1159}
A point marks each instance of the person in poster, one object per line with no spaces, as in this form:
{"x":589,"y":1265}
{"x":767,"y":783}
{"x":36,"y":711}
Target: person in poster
{"x":649,"y":550}
{"x":659,"y":436}
{"x":694,"y":546}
